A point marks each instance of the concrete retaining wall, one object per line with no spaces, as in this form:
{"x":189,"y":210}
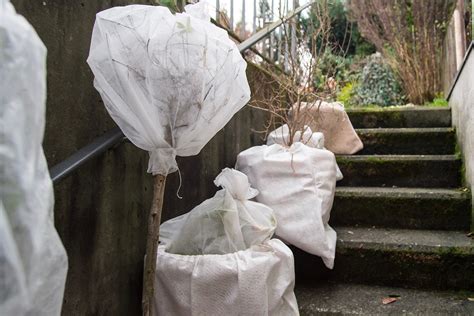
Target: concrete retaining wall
{"x":461,"y":101}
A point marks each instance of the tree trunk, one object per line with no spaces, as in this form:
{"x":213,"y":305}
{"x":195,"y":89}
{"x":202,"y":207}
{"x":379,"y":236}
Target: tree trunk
{"x":153,"y":234}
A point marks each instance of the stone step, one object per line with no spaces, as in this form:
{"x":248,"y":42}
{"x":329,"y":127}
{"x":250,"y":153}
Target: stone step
{"x":417,"y":116}
{"x":396,"y":257}
{"x":356,"y":299}
{"x":408,"y":141}
{"x":410,"y":208}
{"x":425,"y":171}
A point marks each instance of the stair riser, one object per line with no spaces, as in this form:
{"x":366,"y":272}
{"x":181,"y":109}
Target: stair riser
{"x":403,"y":212}
{"x":377,"y":172}
{"x":392,"y":268}
{"x":416,"y":143}
{"x":401,"y":119}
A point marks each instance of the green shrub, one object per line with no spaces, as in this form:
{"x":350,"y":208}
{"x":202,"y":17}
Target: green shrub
{"x":378,"y":84}
{"x":346,"y":95}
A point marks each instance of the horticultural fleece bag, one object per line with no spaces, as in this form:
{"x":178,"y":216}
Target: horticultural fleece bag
{"x":298,"y":182}
{"x":33,"y":262}
{"x":218,"y":259}
{"x":256,"y":281}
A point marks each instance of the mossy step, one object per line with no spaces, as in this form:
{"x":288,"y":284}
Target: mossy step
{"x":397,"y":257}
{"x":330,"y":298}
{"x":411,"y":208}
{"x":425,"y":171}
{"x":408,"y":141}
{"x":417,"y":116}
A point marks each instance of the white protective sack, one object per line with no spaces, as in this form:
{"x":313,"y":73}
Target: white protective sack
{"x":169,"y":81}
{"x":298,"y":183}
{"x":226,"y":223}
{"x":332,"y":120}
{"x":218,"y":259}
{"x":33,"y":262}
{"x":257,"y":281}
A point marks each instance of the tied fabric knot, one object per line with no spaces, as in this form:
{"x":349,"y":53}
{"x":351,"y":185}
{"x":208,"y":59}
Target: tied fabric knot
{"x":162,"y":161}
{"x":236,"y":183}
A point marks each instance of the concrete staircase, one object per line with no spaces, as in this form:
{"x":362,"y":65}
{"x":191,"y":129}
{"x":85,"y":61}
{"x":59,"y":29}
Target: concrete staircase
{"x":402,"y":219}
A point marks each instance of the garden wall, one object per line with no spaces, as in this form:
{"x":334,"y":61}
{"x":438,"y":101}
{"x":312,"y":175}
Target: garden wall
{"x":101,"y":210}
{"x":461,"y":101}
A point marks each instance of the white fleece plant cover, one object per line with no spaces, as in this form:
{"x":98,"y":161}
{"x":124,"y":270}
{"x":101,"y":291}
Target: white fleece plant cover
{"x":33,"y":262}
{"x":169,"y":81}
{"x":218,"y":259}
{"x":298,"y":182}
{"x":225,"y":223}
{"x":257,"y":281}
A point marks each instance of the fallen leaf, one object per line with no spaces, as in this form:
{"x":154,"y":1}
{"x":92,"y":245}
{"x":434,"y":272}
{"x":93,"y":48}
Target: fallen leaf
{"x":388,"y":300}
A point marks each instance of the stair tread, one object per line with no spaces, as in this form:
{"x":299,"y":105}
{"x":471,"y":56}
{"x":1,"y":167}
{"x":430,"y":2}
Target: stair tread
{"x":400,"y":157}
{"x":417,"y":116}
{"x":405,"y":130}
{"x":355,"y":299}
{"x":404,"y":239}
{"x":432,"y":193}
{"x":399,"y":109}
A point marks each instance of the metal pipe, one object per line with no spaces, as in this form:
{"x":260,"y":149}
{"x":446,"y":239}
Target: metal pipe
{"x":242,"y":29}
{"x":97,"y":147}
{"x":254,"y":16}
{"x":269,"y":28}
{"x":232,"y":15}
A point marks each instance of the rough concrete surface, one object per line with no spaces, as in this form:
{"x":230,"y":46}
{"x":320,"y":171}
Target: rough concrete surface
{"x":461,"y":101}
{"x":402,"y":141}
{"x":429,"y":171}
{"x":400,"y":117}
{"x":414,"y":208}
{"x":352,"y":299}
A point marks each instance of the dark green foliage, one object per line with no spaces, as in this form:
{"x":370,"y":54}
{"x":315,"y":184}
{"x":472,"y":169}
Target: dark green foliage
{"x":333,"y":65}
{"x":378,"y":84}
{"x":345,"y":36}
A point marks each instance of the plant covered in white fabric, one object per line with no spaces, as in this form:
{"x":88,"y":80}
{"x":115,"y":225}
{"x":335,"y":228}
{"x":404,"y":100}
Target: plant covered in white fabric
{"x":218,"y":259}
{"x":226,"y":223}
{"x":169,"y":81}
{"x":298,"y":182}
{"x":33,"y":262}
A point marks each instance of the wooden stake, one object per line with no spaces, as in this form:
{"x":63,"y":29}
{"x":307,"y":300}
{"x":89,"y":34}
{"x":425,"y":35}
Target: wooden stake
{"x":153,"y":235}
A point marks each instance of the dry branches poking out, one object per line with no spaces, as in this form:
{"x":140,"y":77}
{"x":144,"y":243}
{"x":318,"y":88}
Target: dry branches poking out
{"x":409,"y":33}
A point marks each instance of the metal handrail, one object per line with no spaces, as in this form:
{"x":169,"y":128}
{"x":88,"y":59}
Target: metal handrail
{"x":116,"y":136}
{"x":458,"y":73}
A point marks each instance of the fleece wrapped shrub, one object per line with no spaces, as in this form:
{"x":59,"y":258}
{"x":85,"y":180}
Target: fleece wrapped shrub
{"x":226,"y":223}
{"x":169,"y":81}
{"x":33,"y":262}
{"x":218,"y":259}
{"x":298,"y":182}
